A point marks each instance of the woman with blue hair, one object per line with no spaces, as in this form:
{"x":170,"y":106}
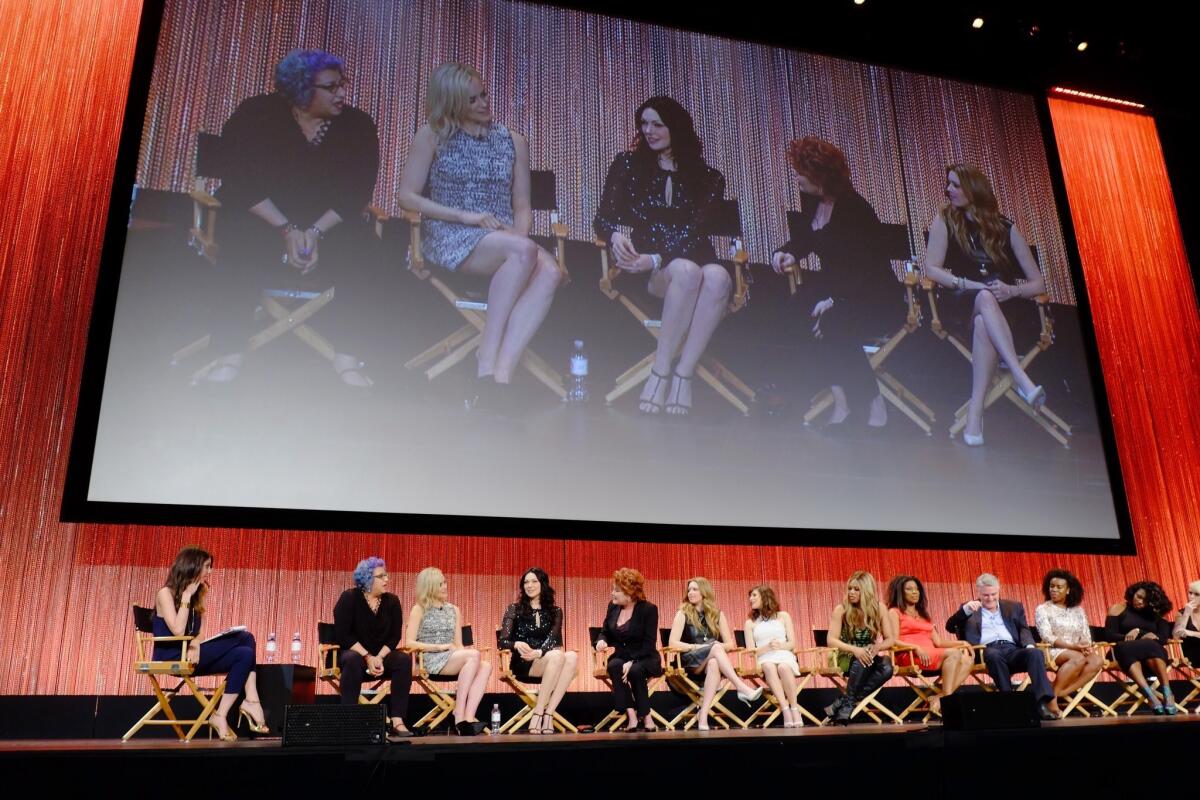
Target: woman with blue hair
{"x":299,"y":169}
{"x":367,"y":621}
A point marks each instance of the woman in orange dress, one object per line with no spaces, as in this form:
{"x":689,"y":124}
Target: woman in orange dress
{"x":935,"y":653}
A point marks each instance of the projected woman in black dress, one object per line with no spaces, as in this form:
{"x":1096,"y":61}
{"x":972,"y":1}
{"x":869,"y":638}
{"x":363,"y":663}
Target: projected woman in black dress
{"x":854,"y":294}
{"x":300,"y":167}
{"x":994,"y":265}
{"x":663,"y":192}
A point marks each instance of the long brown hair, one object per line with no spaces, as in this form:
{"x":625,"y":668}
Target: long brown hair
{"x":770,"y":604}
{"x":866,"y":614}
{"x":982,"y":205}
{"x":188,"y":566}
{"x":708,"y":601}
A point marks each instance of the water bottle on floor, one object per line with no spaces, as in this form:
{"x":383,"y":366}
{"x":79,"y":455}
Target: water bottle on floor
{"x":296,"y":648}
{"x":495,"y":718}
{"x":272,"y":649}
{"x":577,"y":389}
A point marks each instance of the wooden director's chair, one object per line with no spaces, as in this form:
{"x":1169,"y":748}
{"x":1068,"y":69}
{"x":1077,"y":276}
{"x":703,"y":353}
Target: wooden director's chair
{"x":1190,"y":673}
{"x":1131,"y":698}
{"x":443,"y":699}
{"x":329,"y":671}
{"x":894,"y":243}
{"x":684,"y":683}
{"x":288,"y":308}
{"x":468,"y":294}
{"x":749,"y":670}
{"x":725,"y":222}
{"x":927,"y":684}
{"x":528,"y":692}
{"x":827,"y":666}
{"x":157,"y":671}
{"x":614,"y":719}
{"x":1002,"y":381}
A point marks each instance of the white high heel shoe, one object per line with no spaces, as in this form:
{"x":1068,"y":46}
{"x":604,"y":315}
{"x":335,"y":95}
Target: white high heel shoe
{"x":972,"y":439}
{"x":1036,"y":398}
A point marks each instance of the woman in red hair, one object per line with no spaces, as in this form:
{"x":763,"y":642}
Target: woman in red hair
{"x":854,"y":293}
{"x":631,"y":631}
{"x":992,"y":264}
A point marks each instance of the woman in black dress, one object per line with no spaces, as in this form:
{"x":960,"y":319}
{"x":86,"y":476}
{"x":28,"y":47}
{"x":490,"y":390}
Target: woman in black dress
{"x":854,"y":294}
{"x":993,"y":265}
{"x":631,"y":631}
{"x":300,"y":167}
{"x":532,"y":629}
{"x":367,"y":620}
{"x":1140,"y":632}
{"x":1187,"y":625}
{"x":663,"y":193}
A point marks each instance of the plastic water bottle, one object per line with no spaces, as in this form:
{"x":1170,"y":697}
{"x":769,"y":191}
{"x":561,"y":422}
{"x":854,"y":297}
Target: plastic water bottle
{"x":495,"y":718}
{"x":296,"y":646}
{"x":577,"y":391}
{"x":272,"y":649}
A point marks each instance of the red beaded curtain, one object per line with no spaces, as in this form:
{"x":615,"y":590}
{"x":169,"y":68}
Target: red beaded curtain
{"x":65,"y":590}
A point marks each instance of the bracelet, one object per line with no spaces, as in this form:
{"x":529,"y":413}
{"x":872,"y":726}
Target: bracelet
{"x":960,"y":283}
{"x":286,"y":228}
{"x":320,"y":233}
{"x":656,"y":260}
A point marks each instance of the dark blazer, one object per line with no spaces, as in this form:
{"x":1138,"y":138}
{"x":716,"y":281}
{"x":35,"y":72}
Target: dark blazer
{"x":969,"y":628}
{"x":639,"y":639}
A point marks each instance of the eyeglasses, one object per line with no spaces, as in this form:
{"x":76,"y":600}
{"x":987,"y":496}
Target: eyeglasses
{"x":383,"y":576}
{"x":332,"y":87}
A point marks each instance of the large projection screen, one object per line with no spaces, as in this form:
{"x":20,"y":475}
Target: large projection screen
{"x":288,"y":437}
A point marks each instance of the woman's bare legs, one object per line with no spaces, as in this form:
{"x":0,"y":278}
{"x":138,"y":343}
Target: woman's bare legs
{"x":556,"y":669}
{"x":715,"y":665}
{"x":994,"y":340}
{"x":524,"y":278}
{"x":473,"y":676}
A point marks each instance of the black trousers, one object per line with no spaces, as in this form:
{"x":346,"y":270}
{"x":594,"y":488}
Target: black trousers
{"x":397,"y":668}
{"x":861,"y":681}
{"x":1005,"y":658}
{"x":637,"y":694}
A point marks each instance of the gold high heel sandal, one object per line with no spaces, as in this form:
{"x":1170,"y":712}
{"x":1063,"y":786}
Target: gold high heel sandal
{"x":228,"y":735}
{"x":250,"y":722}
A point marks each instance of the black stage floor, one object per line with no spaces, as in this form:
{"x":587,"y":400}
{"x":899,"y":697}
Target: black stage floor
{"x":907,"y":760}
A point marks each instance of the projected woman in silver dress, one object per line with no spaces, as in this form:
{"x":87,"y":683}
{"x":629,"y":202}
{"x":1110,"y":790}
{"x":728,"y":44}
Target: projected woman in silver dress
{"x":662,"y":191}
{"x":477,"y":216}
{"x":995,"y":265}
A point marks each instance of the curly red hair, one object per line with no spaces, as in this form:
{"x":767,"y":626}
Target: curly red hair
{"x":822,"y":163}
{"x":631,"y":582}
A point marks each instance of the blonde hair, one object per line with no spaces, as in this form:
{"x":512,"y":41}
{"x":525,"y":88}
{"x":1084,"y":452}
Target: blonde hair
{"x":428,"y":581}
{"x":708,"y":602}
{"x":446,"y":100}
{"x":866,"y":614}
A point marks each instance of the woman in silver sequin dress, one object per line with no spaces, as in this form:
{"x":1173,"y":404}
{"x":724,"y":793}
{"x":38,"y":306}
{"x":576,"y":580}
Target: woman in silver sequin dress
{"x":477,"y":216}
{"x":435,"y":629}
{"x":702,"y":634}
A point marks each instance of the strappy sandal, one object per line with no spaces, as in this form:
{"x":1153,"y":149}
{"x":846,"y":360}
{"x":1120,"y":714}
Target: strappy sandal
{"x":675,"y":408}
{"x":648,"y":405}
{"x":350,"y":370}
{"x":548,"y":724}
{"x":535,"y":724}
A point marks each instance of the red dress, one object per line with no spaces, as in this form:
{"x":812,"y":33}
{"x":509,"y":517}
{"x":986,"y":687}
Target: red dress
{"x":919,"y":632}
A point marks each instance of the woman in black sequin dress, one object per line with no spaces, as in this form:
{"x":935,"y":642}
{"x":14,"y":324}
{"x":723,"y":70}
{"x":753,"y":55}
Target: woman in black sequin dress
{"x":532,"y":629}
{"x":662,"y":192}
{"x":994,"y":265}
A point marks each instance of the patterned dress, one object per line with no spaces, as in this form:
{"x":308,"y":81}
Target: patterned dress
{"x":470,"y":173}
{"x":1059,"y":622}
{"x":438,"y":625}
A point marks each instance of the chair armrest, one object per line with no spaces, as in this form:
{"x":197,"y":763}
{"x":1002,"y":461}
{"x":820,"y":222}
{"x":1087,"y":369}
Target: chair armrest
{"x":376,"y":213}
{"x":607,"y":271}
{"x":168,"y":638}
{"x":411,"y":217}
{"x":205,"y":199}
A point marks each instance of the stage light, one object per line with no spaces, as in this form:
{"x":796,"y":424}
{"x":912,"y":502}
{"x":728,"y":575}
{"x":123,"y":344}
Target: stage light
{"x":859,"y":2}
{"x":1081,"y":46}
{"x":977,"y":23}
{"x":1097,"y":98}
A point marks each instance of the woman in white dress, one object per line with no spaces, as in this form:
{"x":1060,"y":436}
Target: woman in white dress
{"x":1062,"y":624}
{"x":770,"y":633}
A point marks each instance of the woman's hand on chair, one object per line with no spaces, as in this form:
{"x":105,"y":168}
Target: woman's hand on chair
{"x":781,"y":262}
{"x":193,"y":652}
{"x":922,"y":655}
{"x":622,"y":248}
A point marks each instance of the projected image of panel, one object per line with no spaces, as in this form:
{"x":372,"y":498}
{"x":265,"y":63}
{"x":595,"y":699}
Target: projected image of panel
{"x":506,"y":262}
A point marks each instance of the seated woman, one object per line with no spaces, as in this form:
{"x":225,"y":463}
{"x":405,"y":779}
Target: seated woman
{"x":631,"y":631}
{"x":1140,"y":632}
{"x":477,"y":217}
{"x":532,"y":629}
{"x":914,"y":628}
{"x":860,"y":630}
{"x":1062,"y":624}
{"x":701,"y":631}
{"x":1187,"y":625}
{"x":854,"y":295}
{"x":301,"y":168}
{"x":367,"y":620}
{"x":178,"y":611}
{"x":663,"y":192}
{"x":770,"y":632}
{"x":994,"y":265}
{"x":434,"y":628}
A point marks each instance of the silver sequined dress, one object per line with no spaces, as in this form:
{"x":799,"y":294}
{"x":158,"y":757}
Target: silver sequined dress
{"x":437,"y":627}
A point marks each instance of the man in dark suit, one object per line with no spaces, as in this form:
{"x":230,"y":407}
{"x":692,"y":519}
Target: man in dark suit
{"x":1000,"y":626}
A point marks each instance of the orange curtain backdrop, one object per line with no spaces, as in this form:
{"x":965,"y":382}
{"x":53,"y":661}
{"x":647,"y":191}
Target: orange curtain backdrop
{"x":65,"y":590}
